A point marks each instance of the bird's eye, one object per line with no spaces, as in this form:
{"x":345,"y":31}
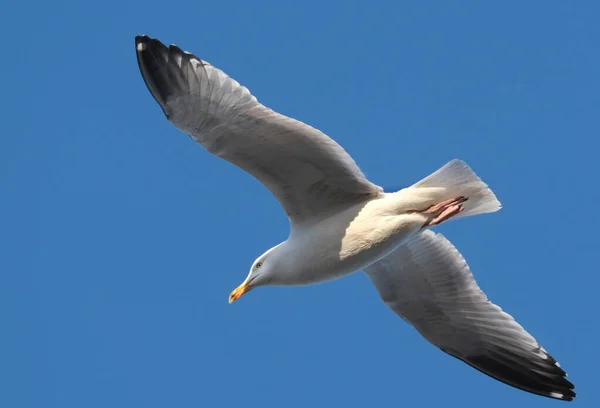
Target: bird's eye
{"x":258,"y":265}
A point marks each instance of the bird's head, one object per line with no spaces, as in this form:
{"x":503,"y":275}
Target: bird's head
{"x":262,"y":272}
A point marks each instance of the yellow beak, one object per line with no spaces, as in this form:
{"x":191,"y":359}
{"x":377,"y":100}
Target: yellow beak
{"x":238,"y":292}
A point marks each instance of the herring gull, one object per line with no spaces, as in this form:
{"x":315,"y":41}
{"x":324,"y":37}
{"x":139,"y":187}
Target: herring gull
{"x":340,"y":222}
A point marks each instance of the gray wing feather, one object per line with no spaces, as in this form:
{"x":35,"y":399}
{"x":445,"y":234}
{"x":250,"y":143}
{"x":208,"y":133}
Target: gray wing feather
{"x":308,"y":172}
{"x":429,"y":284}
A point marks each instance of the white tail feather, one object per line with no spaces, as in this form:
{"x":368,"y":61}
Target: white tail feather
{"x":457,"y":179}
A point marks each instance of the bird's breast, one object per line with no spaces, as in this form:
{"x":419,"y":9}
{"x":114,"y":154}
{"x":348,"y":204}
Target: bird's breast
{"x":349,"y":241}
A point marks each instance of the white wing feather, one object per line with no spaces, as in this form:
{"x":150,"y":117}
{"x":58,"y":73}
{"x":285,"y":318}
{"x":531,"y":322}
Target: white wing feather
{"x":429,"y":284}
{"x":308,"y":172}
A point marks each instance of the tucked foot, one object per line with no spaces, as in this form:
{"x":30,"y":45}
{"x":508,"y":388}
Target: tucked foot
{"x":443,"y":211}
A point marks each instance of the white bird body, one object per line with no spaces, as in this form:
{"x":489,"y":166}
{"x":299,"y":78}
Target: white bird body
{"x":341,"y":223}
{"x":364,"y":233}
{"x":354,"y":238}
{"x":344,"y":243}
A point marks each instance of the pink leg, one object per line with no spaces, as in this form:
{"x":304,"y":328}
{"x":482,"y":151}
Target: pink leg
{"x":444,"y":210}
{"x":436,"y":208}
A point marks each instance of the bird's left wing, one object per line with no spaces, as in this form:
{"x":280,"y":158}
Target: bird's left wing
{"x":429,"y":284}
{"x":307,"y":171}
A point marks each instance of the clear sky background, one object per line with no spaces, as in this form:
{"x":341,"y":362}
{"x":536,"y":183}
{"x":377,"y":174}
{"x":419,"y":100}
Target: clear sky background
{"x":121,"y":238}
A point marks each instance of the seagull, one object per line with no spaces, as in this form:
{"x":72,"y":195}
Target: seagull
{"x":341,"y":223}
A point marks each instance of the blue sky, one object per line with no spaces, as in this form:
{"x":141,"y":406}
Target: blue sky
{"x":122,"y":239}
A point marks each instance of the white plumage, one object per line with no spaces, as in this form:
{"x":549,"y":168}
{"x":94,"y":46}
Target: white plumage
{"x":428,"y":283}
{"x":341,"y":222}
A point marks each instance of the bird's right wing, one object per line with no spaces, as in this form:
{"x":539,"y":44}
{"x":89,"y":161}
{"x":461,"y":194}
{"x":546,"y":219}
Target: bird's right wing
{"x":308,"y":172}
{"x":429,"y":284}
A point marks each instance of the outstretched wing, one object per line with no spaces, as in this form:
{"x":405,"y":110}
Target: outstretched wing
{"x":308,"y":172}
{"x":429,"y":284}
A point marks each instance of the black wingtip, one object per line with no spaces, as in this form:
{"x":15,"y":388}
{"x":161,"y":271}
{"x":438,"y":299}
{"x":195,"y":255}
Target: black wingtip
{"x":152,"y":58}
{"x":544,"y":378}
{"x":141,"y":42}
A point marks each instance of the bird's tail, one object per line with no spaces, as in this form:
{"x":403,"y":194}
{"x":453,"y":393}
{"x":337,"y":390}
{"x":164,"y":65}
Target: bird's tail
{"x":455,"y":184}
